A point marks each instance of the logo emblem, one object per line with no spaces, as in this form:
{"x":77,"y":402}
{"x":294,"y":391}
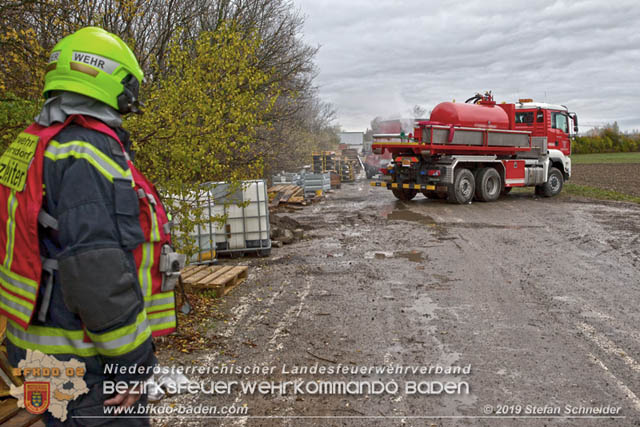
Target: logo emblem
{"x":36,"y":396}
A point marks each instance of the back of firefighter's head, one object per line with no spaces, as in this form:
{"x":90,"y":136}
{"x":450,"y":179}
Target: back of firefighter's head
{"x":97,"y":64}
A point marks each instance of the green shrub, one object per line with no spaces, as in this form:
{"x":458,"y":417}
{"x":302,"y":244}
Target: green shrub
{"x":606,"y":140}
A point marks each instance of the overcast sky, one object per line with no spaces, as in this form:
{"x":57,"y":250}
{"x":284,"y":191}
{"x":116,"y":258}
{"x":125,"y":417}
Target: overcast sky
{"x":382,"y":57}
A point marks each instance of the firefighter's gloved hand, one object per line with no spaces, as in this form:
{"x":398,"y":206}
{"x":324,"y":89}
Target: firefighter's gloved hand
{"x":126,"y":399}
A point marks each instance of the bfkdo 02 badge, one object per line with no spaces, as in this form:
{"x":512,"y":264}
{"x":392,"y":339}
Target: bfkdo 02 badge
{"x":36,"y":396}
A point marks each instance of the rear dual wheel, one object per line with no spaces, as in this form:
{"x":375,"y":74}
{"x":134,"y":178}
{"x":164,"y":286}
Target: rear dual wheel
{"x":485,"y":185}
{"x":463,"y":189}
{"x":488,"y":185}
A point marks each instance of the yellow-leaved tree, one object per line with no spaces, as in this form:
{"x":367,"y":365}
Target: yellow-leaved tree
{"x":203,"y":108}
{"x":20,"y":77}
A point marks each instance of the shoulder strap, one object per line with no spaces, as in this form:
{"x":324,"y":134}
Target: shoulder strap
{"x":47,"y":133}
{"x":91,"y":123}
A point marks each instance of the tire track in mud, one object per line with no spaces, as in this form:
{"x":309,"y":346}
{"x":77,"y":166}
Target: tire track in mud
{"x":539,"y":295}
{"x":584,"y":310}
{"x":322,"y":293}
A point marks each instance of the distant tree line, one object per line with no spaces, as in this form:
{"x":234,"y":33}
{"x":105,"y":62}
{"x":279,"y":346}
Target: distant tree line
{"x":606,"y":139}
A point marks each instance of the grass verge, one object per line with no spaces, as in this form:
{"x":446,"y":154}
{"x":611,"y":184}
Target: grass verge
{"x":598,"y":193}
{"x":586,"y":191}
{"x":588,"y":159}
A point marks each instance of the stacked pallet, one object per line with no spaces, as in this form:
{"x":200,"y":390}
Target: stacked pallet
{"x":346,"y":168}
{"x":323,"y":161}
{"x":350,"y":154}
{"x":286,"y":194}
{"x":10,"y":414}
{"x":217,"y":278}
{"x":336,"y":182}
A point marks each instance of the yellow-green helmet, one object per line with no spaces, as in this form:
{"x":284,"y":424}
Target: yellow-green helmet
{"x":97,"y":64}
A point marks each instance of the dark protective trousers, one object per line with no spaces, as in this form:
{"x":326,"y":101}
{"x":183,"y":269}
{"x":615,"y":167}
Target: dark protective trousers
{"x":89,"y":410}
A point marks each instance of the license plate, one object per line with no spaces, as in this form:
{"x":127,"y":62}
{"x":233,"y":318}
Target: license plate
{"x":406,"y":162}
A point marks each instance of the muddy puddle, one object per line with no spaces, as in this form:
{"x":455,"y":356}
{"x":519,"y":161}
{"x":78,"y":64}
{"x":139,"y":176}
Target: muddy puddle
{"x":407,"y":215}
{"x":424,"y":306}
{"x":413,"y":256}
{"x":401,"y":213}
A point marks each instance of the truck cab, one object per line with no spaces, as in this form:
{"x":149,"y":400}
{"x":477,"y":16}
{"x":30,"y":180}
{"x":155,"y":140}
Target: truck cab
{"x":547,"y":121}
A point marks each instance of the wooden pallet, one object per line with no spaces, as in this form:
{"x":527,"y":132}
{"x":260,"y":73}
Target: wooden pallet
{"x":10,"y":414}
{"x":286,"y":194}
{"x":219,"y":278}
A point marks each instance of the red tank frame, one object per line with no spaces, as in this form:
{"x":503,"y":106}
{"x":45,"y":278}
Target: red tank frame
{"x":484,"y":116}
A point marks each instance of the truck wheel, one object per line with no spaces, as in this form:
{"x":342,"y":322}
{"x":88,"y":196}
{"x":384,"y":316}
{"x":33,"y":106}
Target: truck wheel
{"x":404,"y":194}
{"x":554,"y":183}
{"x":463,"y":187}
{"x":488,"y":185}
{"x":429,"y":194}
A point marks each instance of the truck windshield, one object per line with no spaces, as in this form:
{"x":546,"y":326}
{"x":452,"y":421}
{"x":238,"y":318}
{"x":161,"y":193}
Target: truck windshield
{"x":559,"y":121}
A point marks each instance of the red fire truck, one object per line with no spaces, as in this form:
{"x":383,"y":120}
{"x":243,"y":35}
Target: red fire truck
{"x":479,"y":150}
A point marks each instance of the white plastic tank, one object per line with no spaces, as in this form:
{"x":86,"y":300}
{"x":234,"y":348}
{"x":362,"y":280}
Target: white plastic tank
{"x":247,"y":210}
{"x":246,"y":228}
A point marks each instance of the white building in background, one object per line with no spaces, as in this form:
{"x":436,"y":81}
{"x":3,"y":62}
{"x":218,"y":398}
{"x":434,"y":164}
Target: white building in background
{"x":352,"y":140}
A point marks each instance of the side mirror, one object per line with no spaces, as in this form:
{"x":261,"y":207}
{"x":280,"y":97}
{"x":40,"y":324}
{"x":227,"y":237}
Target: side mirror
{"x":574,"y":117}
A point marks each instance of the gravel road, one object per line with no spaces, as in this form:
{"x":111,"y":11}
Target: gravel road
{"x":534,"y":301}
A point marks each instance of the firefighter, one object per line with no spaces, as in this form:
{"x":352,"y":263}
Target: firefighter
{"x":83,"y":235}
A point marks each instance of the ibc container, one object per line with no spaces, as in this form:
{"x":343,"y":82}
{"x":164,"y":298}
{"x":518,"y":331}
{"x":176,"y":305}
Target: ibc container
{"x":287,"y":178}
{"x":317,"y":181}
{"x":246,"y":229}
